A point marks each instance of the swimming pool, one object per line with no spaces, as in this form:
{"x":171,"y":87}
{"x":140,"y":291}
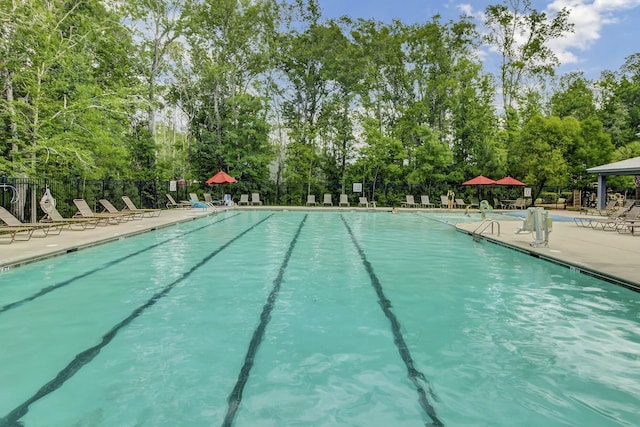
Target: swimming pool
{"x":260,"y":318}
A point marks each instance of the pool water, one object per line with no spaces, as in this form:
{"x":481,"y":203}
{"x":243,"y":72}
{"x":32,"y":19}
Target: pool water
{"x":261,"y":318}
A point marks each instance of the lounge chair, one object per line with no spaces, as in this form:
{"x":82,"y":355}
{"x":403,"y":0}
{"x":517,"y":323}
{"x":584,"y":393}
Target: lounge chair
{"x":197,"y":203}
{"x":344,"y":200}
{"x":244,"y":200}
{"x":109,"y":208}
{"x":11,"y":234}
{"x":255,"y":199}
{"x":610,"y":207}
{"x":444,"y":201}
{"x":362,"y":201}
{"x":104,"y":218}
{"x":425,"y":203}
{"x":311,"y":200}
{"x":630,"y":221}
{"x":409,"y":202}
{"x":605,"y":223}
{"x":130,"y":206}
{"x":612,"y":224}
{"x":14,"y":223}
{"x":326,"y":200}
{"x":78,"y":224}
{"x":460,"y":203}
{"x":171,"y":203}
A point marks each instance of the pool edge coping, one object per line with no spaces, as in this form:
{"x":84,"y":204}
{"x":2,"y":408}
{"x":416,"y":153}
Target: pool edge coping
{"x":575,"y":267}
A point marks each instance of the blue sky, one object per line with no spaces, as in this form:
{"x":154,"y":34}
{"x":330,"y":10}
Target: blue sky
{"x":606,"y":31}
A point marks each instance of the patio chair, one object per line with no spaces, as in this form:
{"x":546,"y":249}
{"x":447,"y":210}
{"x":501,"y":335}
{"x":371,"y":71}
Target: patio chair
{"x":425,"y":203}
{"x":362,"y":201}
{"x":344,"y":200}
{"x":311,"y":200}
{"x":520,"y":203}
{"x":171,"y":203}
{"x":210,"y":200}
{"x":15,"y":224}
{"x":105,"y":218}
{"x":109,"y":208}
{"x":409,"y":202}
{"x":326,"y":200}
{"x":244,"y":200}
{"x":130,"y":206}
{"x":255,"y":199}
{"x":497,"y":204}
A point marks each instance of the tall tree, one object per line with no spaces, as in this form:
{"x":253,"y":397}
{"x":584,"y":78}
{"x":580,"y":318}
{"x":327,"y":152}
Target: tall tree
{"x":574,"y":97}
{"x":521,"y":35}
{"x":230,"y":42}
{"x":66,"y":69}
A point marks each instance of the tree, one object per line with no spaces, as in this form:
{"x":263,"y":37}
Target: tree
{"x":574,"y":97}
{"x":63,"y":106}
{"x":544,"y":143}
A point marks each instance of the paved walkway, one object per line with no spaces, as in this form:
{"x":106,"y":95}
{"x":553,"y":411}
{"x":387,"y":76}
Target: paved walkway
{"x":605,"y":254}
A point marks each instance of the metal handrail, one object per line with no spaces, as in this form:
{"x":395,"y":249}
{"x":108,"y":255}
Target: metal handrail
{"x":484,"y":225}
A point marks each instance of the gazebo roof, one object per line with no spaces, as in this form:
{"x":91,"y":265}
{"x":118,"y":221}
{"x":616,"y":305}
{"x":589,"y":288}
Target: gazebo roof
{"x":623,"y":167}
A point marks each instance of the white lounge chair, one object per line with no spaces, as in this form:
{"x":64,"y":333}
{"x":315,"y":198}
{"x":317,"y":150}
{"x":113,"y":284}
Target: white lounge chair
{"x":244,"y":200}
{"x":255,"y":199}
{"x":409,"y":202}
{"x":344,"y":200}
{"x":425,"y":203}
{"x":311,"y":200}
{"x":326,"y":200}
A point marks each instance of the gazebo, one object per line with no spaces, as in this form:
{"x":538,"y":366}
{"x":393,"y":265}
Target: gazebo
{"x":623,"y":167}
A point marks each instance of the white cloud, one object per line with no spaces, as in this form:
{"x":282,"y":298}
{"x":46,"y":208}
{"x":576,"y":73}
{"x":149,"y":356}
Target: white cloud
{"x":589,"y":18}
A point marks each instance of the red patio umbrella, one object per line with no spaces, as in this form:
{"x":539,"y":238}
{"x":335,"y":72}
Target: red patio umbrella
{"x":507,"y":180}
{"x":479,"y":180}
{"x":221,"y":178}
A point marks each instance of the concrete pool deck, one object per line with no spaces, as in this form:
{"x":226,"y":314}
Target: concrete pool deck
{"x":608,"y":255}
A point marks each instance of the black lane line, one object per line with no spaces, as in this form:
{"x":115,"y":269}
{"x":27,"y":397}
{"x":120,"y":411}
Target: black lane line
{"x":66,"y":282}
{"x":416,"y":377}
{"x":81,"y":359}
{"x":235,"y":397}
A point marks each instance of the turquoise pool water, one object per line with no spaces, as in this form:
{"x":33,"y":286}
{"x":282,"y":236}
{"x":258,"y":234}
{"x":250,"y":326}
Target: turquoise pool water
{"x":314,"y":319}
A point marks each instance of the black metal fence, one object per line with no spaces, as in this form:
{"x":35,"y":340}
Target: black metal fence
{"x":22,"y":195}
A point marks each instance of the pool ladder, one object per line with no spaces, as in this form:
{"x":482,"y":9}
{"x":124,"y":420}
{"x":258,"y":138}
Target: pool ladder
{"x":484,"y":225}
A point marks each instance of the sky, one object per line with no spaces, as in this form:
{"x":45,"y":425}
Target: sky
{"x":605,"y":34}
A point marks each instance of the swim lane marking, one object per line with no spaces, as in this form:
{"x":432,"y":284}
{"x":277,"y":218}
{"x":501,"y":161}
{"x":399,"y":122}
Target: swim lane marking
{"x":235,"y":397}
{"x":66,"y":282}
{"x":414,"y":374}
{"x":81,"y":359}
